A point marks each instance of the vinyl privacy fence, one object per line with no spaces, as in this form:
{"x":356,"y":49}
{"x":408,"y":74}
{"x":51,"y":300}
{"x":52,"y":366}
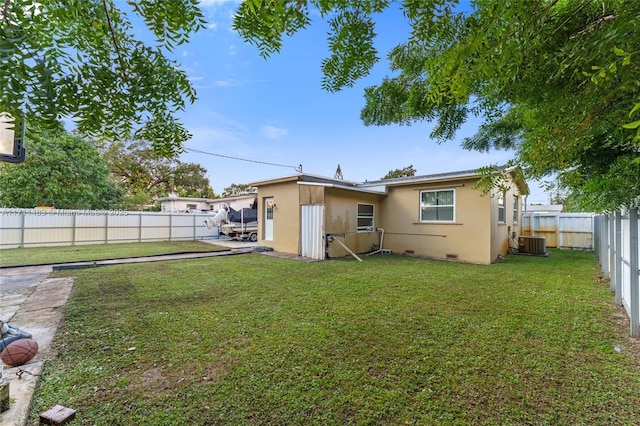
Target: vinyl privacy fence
{"x":617,"y":248}
{"x":41,"y":228}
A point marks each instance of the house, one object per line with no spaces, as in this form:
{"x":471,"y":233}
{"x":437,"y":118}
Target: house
{"x":439,"y":216}
{"x":174,"y":203}
{"x":544,"y":208}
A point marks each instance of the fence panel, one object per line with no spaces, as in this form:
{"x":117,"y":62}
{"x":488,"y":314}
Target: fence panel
{"x":40,"y":228}
{"x":618,"y":246}
{"x":561,"y":230}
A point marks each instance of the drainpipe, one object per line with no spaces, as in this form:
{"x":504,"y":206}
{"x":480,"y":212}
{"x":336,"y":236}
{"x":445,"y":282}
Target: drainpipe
{"x":381,"y":241}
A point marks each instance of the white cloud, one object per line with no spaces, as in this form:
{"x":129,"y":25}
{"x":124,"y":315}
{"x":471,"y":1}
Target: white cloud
{"x":217,"y":83}
{"x":273,"y":132}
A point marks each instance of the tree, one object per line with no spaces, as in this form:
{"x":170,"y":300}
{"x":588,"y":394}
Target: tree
{"x":79,"y":59}
{"x":557,"y":81}
{"x":145,"y":175}
{"x":398,"y":173}
{"x":61,"y":170}
{"x":338,"y":174}
{"x":238,"y":189}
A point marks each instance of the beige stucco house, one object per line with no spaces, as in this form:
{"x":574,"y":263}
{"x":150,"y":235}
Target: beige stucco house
{"x":440,"y":216}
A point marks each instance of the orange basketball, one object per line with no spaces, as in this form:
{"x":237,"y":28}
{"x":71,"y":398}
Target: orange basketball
{"x":19,"y":352}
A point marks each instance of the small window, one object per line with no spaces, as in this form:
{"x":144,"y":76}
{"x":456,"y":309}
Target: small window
{"x":437,"y":206}
{"x":192,"y":206}
{"x":365,"y":218}
{"x":515,"y":210}
{"x":269,"y":210}
{"x":501,"y":212}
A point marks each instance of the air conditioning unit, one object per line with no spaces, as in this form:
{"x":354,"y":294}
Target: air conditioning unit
{"x":532,"y":245}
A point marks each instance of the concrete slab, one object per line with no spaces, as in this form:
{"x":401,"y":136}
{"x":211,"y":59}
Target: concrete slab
{"x":40,"y":314}
{"x":20,"y":282}
{"x":50,"y":293}
{"x":10,"y":303}
{"x":22,"y":384}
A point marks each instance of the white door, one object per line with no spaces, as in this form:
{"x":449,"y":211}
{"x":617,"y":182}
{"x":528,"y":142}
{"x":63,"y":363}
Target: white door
{"x":268,"y":219}
{"x":311,"y":231}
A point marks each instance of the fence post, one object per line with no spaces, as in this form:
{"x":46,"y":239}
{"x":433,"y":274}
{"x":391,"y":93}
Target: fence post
{"x":106,"y":229}
{"x":611,"y":249}
{"x":73,"y":238}
{"x":633,"y":267}
{"x":596,"y":237}
{"x":604,"y":252}
{"x":617,"y":269}
{"x":22,"y":223}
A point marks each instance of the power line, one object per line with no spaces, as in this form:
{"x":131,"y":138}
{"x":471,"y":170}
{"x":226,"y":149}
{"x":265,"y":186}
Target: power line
{"x":297,"y":168}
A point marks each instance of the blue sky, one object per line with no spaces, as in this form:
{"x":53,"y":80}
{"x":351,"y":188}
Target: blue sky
{"x":275,"y":111}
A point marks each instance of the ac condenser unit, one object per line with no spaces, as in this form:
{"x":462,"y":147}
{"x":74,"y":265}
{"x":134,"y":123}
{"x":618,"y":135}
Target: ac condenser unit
{"x":532,"y":245}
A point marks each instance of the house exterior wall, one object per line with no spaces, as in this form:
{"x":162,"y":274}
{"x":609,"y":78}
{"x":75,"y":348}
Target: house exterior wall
{"x":341,"y":216}
{"x":465,"y":239}
{"x":502,"y":231}
{"x":474,"y":235}
{"x":181,"y":204}
{"x":286,"y":217}
{"x":236,"y":203}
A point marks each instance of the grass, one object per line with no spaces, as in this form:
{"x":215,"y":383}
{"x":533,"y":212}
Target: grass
{"x":256,"y":340}
{"x":46,"y":255}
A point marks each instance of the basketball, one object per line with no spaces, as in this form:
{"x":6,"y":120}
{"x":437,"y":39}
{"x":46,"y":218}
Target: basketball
{"x":19,"y":352}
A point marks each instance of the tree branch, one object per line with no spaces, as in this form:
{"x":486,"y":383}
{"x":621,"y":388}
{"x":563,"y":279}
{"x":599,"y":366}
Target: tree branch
{"x":113,"y":37}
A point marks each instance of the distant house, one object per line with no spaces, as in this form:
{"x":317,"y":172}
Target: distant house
{"x":175,"y":204}
{"x":438,"y":216}
{"x":544,"y":208}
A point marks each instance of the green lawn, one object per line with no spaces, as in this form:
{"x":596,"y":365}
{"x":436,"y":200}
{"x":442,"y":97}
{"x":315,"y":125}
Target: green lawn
{"x":256,"y":340}
{"x":33,"y":256}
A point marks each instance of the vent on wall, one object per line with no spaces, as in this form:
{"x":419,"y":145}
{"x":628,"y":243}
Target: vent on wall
{"x":532,"y":245}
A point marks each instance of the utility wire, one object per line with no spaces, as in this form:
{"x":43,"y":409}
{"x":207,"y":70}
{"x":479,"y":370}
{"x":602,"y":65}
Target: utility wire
{"x":297,"y":168}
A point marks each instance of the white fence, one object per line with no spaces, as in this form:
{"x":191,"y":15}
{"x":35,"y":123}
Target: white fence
{"x":561,"y":230}
{"x":617,"y":248}
{"x":40,"y":228}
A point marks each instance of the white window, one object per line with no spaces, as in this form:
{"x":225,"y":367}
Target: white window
{"x":365,"y":218}
{"x":515,"y":210}
{"x":437,"y":206}
{"x":501,"y":212}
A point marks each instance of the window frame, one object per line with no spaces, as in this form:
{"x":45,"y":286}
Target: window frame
{"x":366,"y":215}
{"x":516,"y":209}
{"x":502,"y":208}
{"x":421,"y":207}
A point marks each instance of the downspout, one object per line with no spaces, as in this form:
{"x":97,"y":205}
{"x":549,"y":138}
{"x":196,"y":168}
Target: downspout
{"x":381,"y":241}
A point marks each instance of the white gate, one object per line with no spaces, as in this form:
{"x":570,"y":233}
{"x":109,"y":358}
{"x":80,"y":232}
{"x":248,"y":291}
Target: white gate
{"x":311,"y":238}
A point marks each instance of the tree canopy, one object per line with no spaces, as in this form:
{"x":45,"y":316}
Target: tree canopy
{"x":398,"y":173}
{"x":558,"y":81}
{"x":80,"y":60}
{"x":145,"y":175}
{"x":239,"y":189}
{"x":62,"y":171}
